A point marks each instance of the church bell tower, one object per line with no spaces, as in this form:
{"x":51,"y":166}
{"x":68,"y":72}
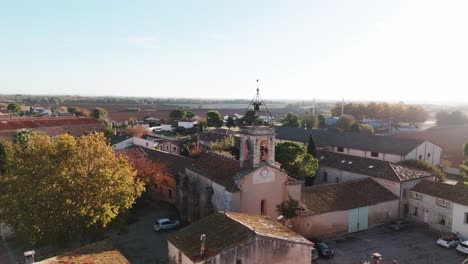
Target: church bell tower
{"x":257,"y":139}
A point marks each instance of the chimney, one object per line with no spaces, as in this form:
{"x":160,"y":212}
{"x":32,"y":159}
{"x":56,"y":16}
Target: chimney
{"x":202,"y":249}
{"x":29,"y":257}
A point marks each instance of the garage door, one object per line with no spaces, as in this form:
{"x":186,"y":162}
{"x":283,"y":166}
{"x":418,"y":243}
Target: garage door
{"x":358,"y":219}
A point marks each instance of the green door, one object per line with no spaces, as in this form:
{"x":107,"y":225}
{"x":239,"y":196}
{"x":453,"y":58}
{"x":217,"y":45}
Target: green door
{"x":363,"y":218}
{"x":353,"y":220}
{"x":358,"y":219}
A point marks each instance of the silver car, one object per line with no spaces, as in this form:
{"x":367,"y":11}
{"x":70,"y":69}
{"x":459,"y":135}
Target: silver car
{"x":165,"y":224}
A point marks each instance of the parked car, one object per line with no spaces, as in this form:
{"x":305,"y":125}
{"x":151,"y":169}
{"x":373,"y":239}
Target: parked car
{"x":323,"y":249}
{"x":165,"y":224}
{"x":449,"y":240}
{"x":400,"y":224}
{"x":463,"y":247}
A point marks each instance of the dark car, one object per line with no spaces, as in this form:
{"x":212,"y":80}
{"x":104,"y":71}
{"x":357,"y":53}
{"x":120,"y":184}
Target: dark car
{"x":400,"y":224}
{"x":323,"y":249}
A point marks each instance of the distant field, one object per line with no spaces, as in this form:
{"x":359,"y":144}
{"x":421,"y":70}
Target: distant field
{"x":224,"y":106}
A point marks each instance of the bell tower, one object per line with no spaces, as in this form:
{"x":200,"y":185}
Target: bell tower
{"x":257,"y":138}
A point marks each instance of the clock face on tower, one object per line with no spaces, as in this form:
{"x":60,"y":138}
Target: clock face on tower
{"x":263,"y":175}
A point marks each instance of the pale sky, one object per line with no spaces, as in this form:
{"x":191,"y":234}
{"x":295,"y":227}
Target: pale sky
{"x":361,"y":50}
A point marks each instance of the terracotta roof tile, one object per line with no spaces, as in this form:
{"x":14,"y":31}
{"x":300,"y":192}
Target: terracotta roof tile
{"x":344,"y":196}
{"x":360,"y":141}
{"x":228,"y":230}
{"x":102,"y":252}
{"x":454,"y":193}
{"x":218,"y":168}
{"x":450,"y":139}
{"x":371,"y":167}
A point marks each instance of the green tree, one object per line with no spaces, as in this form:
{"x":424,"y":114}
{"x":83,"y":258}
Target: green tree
{"x":178,"y":114}
{"x":295,"y":160}
{"x":367,"y":129}
{"x":99,"y":113}
{"x":190,"y":114}
{"x":464,"y":164}
{"x":62,"y":188}
{"x":345,"y":122}
{"x":292,"y":120}
{"x":312,"y":147}
{"x":288,"y":209}
{"x":356,"y":127}
{"x":214,"y":118}
{"x":14,"y":107}
{"x":310,"y":121}
{"x":230,"y":122}
{"x":132,"y":121}
{"x":22,"y":136}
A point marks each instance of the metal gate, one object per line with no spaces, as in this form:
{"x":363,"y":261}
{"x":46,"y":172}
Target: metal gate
{"x":358,"y":219}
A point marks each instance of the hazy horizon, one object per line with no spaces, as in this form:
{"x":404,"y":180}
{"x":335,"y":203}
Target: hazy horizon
{"x":395,"y":51}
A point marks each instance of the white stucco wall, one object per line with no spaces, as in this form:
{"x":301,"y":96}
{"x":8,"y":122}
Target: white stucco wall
{"x":423,"y":150}
{"x":187,"y":124}
{"x":458,"y":220}
{"x":144,"y":143}
{"x":428,"y":210}
{"x":124,"y":144}
{"x":367,"y":154}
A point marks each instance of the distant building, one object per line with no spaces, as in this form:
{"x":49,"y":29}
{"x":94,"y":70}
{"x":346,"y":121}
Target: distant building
{"x":331,"y":121}
{"x":187,"y":123}
{"x":361,"y":145}
{"x":123,"y":141}
{"x":235,"y":238}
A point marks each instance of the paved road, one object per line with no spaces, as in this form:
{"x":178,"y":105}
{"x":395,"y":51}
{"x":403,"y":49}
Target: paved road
{"x":142,"y":244}
{"x":416,"y":246}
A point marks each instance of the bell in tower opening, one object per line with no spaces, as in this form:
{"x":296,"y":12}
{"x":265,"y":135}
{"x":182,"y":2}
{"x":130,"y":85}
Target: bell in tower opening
{"x":257,"y":141}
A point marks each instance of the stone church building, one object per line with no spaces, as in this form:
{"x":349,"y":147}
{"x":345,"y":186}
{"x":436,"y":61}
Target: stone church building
{"x":254,"y":184}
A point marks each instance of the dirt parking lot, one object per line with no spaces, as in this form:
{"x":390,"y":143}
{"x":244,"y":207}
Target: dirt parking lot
{"x":415,"y":246}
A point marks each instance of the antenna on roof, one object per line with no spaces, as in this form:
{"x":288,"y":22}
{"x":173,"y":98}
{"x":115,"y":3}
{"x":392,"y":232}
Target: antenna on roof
{"x":203,"y":241}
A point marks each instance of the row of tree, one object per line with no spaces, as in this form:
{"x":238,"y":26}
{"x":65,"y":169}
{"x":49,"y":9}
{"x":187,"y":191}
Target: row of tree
{"x":398,"y":113}
{"x":445,"y":118}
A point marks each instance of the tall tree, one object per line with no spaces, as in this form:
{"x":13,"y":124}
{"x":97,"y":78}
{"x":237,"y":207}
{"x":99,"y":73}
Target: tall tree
{"x":230,"y":122}
{"x":345,"y":122}
{"x":292,"y":120}
{"x":310,"y":121}
{"x":14,"y":107}
{"x":312,"y":147}
{"x":214,"y":118}
{"x":99,"y":113}
{"x":65,"y":187}
{"x":464,"y":164}
{"x":190,"y":114}
{"x":295,"y":160}
{"x":177,"y":114}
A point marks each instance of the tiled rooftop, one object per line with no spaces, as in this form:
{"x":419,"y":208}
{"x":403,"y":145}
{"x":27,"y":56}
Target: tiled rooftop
{"x":454,"y":193}
{"x":359,"y":141}
{"x":371,"y":167}
{"x":228,"y":230}
{"x":344,"y":196}
{"x":102,"y":252}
